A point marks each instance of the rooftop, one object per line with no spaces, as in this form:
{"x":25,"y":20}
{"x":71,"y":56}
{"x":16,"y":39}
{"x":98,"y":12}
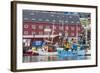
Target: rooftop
{"x":50,"y":17}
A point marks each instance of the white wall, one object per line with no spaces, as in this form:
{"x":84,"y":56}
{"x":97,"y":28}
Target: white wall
{"x":5,"y":37}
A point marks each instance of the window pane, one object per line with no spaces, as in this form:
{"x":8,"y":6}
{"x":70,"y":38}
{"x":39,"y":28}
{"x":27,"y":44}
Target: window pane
{"x":33,"y":27}
{"x":40,"y":27}
{"x":72,"y":28}
{"x":33,"y":33}
{"x":25,"y":32}
{"x":25,"y":26}
{"x":40,"y":33}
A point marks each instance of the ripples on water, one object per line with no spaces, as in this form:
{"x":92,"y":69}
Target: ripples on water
{"x":27,"y":59}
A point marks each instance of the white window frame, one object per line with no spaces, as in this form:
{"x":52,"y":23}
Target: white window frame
{"x":40,"y":26}
{"x":33,"y":26}
{"x":25,"y":32}
{"x":25,"y":25}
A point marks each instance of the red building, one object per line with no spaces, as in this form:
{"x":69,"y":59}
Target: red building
{"x":36,"y":28}
{"x":35,"y":23}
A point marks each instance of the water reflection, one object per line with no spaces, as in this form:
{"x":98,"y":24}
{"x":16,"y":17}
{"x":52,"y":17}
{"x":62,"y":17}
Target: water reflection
{"x":27,"y":59}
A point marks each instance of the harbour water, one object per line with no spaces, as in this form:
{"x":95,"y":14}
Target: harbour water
{"x":27,"y":59}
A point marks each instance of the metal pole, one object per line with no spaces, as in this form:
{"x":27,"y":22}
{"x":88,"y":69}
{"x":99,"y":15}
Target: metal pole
{"x":52,"y":31}
{"x":86,"y":35}
{"x":63,"y":33}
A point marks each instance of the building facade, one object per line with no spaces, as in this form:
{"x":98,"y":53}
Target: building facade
{"x":50,"y":23}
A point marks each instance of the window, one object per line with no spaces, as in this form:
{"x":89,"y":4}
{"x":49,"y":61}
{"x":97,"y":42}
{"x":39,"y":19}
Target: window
{"x":33,"y":27}
{"x":54,"y":21}
{"x":72,"y":28}
{"x":78,"y":28}
{"x":54,"y":27}
{"x":52,"y":15}
{"x":72,"y":34}
{"x":67,"y":28}
{"x":33,"y":33}
{"x":40,"y":33}
{"x":33,"y":19}
{"x":40,"y":19}
{"x":31,"y":13}
{"x":72,"y":21}
{"x":47,"y":27}
{"x":25,"y":26}
{"x":66,"y":21}
{"x":47,"y":20}
{"x":25,"y":32}
{"x":60,"y":21}
{"x":78,"y":22}
{"x":46,"y":33}
{"x":61,"y":28}
{"x":40,"y":27}
{"x":25,"y":18}
{"x":70,"y":16}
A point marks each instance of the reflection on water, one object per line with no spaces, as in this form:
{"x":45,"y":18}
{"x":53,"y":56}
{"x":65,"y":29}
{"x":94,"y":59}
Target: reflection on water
{"x":52,"y":58}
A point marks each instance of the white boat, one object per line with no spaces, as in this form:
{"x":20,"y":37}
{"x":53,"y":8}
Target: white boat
{"x":42,"y":52}
{"x":48,"y":53}
{"x":88,"y":52}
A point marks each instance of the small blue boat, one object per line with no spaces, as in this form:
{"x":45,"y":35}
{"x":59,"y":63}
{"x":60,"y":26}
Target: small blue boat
{"x":64,"y":53}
